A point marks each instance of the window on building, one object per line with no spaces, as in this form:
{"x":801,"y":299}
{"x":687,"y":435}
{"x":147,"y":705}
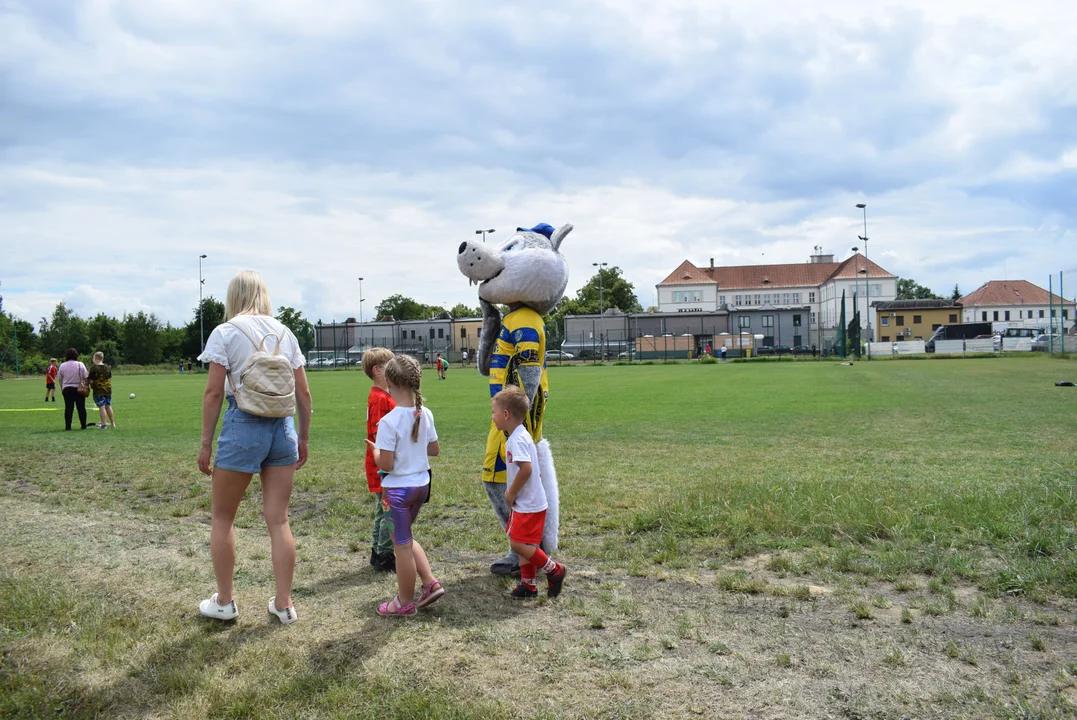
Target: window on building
{"x":431,"y":333}
{"x":935,"y":327}
{"x":441,"y":333}
{"x":463,"y":333}
{"x":757,"y":300}
{"x":995,"y":315}
{"x":785,"y":298}
{"x":1041,"y":314}
{"x":812,"y":318}
{"x":811,"y":297}
{"x":983,"y":316}
{"x":1007,"y":314}
{"x":1065,"y":314}
{"x":744,"y":321}
{"x":768,"y":321}
{"x":721,"y":299}
{"x":796,"y":298}
{"x":953,"y":317}
{"x":768,"y":341}
{"x":796,"y":323}
{"x":1020,"y":314}
{"x":885,"y":321}
{"x":697,"y":295}
{"x":917,"y":319}
{"x":885,"y":338}
{"x":736,"y":300}
{"x":877,"y":290}
{"x":798,"y":340}
{"x":1053,"y":311}
{"x":766,"y":298}
{"x":900,"y":320}
{"x":412,"y":334}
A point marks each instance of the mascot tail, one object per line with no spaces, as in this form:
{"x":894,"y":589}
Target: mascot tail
{"x":553,"y":497}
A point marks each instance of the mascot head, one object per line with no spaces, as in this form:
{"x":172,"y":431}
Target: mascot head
{"x":527,"y":269}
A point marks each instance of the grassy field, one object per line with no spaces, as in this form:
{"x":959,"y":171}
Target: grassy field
{"x":771,"y":540}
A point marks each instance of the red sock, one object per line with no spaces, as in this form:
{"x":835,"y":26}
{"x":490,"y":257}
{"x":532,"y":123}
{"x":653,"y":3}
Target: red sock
{"x":527,"y":573}
{"x":542,"y":560}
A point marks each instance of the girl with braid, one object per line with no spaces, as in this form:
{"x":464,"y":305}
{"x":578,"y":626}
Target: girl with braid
{"x":406,"y":439}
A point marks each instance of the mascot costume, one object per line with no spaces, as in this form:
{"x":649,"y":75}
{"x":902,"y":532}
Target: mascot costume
{"x":528,"y":274}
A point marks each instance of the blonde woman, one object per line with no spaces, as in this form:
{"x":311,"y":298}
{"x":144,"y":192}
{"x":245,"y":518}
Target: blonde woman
{"x":272,"y":447}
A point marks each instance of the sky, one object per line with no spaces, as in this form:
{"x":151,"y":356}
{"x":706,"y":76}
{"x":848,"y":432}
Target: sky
{"x":318,"y":142}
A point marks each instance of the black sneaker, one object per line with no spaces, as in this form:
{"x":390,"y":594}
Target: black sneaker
{"x":555,"y":579}
{"x":521,"y":592}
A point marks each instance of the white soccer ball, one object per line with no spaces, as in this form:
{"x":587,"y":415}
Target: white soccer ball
{"x":132,"y":396}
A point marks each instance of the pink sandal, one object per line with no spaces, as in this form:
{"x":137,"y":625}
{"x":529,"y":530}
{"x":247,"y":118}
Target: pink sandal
{"x":430,"y":593}
{"x":400,"y":611}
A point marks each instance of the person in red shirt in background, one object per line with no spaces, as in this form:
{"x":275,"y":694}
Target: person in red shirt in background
{"x":50,"y":380}
{"x":378,"y":405}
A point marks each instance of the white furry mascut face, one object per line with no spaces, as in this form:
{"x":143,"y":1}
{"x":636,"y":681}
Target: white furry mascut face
{"x":524,"y":269}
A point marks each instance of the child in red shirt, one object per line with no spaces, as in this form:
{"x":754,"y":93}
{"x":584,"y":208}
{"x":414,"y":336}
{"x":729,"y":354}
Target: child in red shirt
{"x":378,"y":405}
{"x":50,"y":380}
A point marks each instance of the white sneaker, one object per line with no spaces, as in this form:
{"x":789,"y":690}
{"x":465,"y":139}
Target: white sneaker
{"x":287,"y":616}
{"x":210,"y":608}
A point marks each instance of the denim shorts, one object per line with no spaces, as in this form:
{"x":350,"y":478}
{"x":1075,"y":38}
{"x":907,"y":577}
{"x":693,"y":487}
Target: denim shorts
{"x":248,"y":443}
{"x":102,"y":400}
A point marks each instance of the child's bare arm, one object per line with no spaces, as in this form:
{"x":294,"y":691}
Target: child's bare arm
{"x":522,"y":476}
{"x":382,"y":458}
{"x":433,"y":449}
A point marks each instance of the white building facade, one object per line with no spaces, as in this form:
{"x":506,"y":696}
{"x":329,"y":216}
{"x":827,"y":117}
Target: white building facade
{"x":815,"y":288}
{"x":1018,"y":304}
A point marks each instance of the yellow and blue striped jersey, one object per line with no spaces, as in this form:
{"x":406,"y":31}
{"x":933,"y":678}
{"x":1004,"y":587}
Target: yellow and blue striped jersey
{"x":522,"y":343}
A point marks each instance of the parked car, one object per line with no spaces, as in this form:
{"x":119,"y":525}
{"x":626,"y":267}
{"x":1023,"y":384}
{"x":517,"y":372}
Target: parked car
{"x":316,"y":363}
{"x":764,"y":350}
{"x":802,"y":350}
{"x":559,"y":355}
{"x":627,"y":355}
{"x":783,"y":350}
{"x":340,"y":362}
{"x":1042,"y":342}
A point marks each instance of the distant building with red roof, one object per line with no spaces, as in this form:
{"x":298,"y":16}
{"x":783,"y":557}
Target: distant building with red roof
{"x":1016,"y":303}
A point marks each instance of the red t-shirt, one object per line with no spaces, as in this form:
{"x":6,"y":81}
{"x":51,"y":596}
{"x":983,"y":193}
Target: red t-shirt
{"x":50,"y":374}
{"x":378,"y":404}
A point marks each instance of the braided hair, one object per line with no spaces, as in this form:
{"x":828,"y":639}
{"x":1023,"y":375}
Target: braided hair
{"x":404,"y":371}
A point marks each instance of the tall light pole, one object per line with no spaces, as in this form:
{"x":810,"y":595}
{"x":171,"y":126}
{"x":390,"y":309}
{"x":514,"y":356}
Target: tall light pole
{"x":867,"y":271}
{"x":201,"y":320}
{"x":484,"y":233}
{"x":856,"y":283}
{"x":601,"y":320}
{"x":359,"y":340}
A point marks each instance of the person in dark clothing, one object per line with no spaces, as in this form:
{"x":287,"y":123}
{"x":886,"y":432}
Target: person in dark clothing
{"x":71,"y":375}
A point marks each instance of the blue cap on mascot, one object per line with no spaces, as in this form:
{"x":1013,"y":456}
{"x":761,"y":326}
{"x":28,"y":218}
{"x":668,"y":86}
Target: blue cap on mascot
{"x":541,"y":229}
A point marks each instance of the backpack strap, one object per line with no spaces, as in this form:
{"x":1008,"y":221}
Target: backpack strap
{"x":255,"y":343}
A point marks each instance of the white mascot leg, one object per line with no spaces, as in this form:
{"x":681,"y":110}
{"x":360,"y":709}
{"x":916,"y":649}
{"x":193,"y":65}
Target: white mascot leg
{"x":553,"y":497}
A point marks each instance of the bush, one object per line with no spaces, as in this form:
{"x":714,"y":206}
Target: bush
{"x":707,"y":360}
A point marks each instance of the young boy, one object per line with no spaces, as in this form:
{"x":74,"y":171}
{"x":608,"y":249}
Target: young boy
{"x":524,"y":494}
{"x":100,"y":380}
{"x":378,"y":405}
{"x":50,"y":380}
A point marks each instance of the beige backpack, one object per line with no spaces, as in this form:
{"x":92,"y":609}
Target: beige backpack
{"x":267,"y":381}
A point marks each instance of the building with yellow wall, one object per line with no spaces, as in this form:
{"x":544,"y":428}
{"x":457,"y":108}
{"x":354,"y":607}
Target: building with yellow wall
{"x":901,"y":320}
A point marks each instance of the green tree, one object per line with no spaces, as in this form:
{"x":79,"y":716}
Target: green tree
{"x":173,"y":340}
{"x":401,"y":308}
{"x":616,"y":292}
{"x":142,"y":339}
{"x":555,"y":325}
{"x":111,"y":351}
{"x":64,"y":330}
{"x":299,"y":325}
{"x":213,"y":315}
{"x":956,"y":294}
{"x":460,"y":310}
{"x":909,"y":289}
{"x":102,"y":327}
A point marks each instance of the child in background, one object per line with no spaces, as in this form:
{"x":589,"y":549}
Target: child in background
{"x":440,"y":366}
{"x":50,"y":380}
{"x":378,"y":404}
{"x":525,"y":496}
{"x":406,"y":441}
{"x":101,"y":384}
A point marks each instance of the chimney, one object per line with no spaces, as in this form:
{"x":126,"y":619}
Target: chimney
{"x":818,"y":256}
{"x":712,"y":263}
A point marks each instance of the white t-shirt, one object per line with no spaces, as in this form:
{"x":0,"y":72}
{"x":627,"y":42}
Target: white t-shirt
{"x":228,"y":346}
{"x":521,"y":448}
{"x":410,"y":463}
